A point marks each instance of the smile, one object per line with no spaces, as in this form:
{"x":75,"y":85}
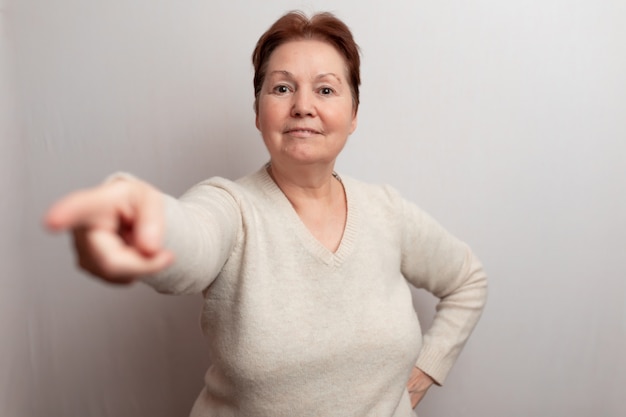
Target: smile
{"x":302,"y":132}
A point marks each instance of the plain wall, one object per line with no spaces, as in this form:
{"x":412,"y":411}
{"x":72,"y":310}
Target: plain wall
{"x":505,"y":120}
{"x":14,"y":344}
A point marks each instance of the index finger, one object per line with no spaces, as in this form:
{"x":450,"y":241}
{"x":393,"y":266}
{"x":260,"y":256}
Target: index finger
{"x":83,"y":208}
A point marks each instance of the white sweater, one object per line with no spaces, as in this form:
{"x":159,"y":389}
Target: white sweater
{"x":296,"y":330}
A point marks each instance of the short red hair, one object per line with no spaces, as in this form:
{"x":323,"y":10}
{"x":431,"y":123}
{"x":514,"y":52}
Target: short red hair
{"x":295,"y":26}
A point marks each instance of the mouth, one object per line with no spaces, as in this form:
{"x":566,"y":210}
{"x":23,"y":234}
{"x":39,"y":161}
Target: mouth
{"x":302,"y":132}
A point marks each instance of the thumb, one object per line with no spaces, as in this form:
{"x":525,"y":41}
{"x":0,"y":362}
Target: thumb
{"x":149,"y":230}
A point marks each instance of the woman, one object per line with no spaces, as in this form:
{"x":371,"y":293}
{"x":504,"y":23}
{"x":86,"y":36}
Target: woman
{"x":304,"y":274}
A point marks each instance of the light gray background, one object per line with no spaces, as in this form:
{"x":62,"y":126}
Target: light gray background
{"x":505,"y":120}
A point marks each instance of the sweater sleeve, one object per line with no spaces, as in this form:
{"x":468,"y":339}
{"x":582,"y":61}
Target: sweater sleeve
{"x":438,"y":262}
{"x":201,"y":230}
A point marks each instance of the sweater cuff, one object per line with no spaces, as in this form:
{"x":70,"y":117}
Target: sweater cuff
{"x":165,"y":281}
{"x":434,"y":363}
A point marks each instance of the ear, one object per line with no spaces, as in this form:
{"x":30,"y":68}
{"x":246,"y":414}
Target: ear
{"x":354,"y":122}
{"x":256,"y":120}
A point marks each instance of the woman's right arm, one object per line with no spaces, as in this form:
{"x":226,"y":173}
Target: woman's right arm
{"x":202,"y":228}
{"x":125,"y":230}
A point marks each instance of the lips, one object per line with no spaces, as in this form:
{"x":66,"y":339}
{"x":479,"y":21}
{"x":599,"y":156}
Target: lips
{"x":302,"y":131}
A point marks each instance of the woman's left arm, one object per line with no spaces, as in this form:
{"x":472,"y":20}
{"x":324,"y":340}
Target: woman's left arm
{"x":438,"y":262}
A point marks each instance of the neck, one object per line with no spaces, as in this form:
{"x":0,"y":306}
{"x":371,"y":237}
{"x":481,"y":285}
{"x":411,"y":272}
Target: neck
{"x":319,"y":199}
{"x":306,"y":184}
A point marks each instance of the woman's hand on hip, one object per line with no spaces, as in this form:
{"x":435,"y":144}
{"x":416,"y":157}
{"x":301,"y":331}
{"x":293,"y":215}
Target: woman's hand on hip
{"x":117,"y":227}
{"x":418,"y":384}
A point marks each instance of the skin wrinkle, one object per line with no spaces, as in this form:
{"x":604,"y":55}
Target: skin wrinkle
{"x":305,"y":63}
{"x":290,"y":75}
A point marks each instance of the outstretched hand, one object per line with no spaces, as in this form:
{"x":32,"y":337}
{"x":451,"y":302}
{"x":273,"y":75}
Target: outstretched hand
{"x":117,"y":227}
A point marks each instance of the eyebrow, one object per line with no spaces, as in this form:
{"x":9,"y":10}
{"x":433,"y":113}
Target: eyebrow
{"x":317,"y":77}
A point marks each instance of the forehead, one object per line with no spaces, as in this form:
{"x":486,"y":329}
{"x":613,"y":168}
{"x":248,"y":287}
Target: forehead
{"x":308,"y":55}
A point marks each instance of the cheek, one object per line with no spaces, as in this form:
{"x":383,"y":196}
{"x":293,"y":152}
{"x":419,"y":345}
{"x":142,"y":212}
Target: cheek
{"x":346,"y":119}
{"x":267,"y":122}
{"x":263,"y":122}
{"x":261,"y":117}
{"x":268,"y":112}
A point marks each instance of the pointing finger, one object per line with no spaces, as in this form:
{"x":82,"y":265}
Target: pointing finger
{"x":83,"y":208}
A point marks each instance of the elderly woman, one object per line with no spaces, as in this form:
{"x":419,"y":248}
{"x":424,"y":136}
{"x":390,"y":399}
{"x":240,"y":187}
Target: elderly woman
{"x":305,"y":274}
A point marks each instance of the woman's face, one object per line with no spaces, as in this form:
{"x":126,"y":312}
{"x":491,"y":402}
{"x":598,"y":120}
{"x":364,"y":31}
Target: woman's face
{"x":305,"y":112}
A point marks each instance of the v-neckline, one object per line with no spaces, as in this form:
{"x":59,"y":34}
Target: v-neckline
{"x":310,"y":242}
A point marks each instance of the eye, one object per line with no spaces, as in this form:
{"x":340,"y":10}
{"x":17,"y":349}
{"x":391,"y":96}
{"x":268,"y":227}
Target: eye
{"x":281,"y":89}
{"x":326,"y":91}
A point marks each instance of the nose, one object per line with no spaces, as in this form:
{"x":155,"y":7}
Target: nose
{"x":303,"y":104}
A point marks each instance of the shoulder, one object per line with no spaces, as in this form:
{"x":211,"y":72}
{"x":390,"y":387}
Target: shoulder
{"x":212,"y":186}
{"x":372,"y":193}
{"x":383,"y":201}
{"x":253,"y":190}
